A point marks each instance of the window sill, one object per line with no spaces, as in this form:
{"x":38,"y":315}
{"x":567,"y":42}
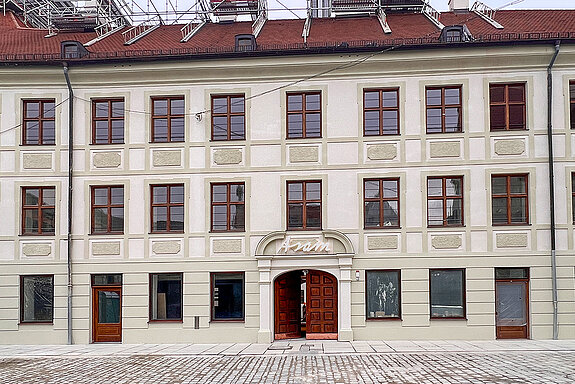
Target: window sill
{"x":51,"y":322}
{"x":449,"y":318}
{"x":106,"y":233}
{"x":104,"y":144}
{"x":37,"y":234}
{"x":511,"y":225}
{"x":381,"y":228}
{"x":163,"y":321}
{"x":377,"y":319}
{"x":445,"y":226}
{"x":167,"y":233}
{"x":227,"y":321}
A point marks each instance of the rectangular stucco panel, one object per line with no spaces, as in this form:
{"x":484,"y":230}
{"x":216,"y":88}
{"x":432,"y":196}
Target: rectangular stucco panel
{"x":382,"y":152}
{"x":37,"y":161}
{"x":166,"y":247}
{"x":167,"y":158}
{"x":36,"y":249}
{"x":511,"y":240}
{"x":381,"y":242}
{"x":446,"y":149}
{"x":227,"y":246}
{"x":303,"y":154}
{"x":446,"y":242}
{"x":509,"y":147}
{"x":227,"y":156}
{"x":107,"y":160}
{"x":111,"y":248}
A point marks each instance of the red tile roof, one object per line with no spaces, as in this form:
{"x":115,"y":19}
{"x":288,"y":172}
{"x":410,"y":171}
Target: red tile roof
{"x":279,"y":36}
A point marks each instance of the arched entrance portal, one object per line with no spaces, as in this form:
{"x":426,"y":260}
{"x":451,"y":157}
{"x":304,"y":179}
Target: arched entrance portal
{"x":305,"y":305}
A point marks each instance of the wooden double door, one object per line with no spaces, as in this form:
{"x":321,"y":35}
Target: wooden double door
{"x":306,"y":303}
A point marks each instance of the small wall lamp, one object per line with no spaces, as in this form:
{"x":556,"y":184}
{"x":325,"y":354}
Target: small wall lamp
{"x":356,"y":275}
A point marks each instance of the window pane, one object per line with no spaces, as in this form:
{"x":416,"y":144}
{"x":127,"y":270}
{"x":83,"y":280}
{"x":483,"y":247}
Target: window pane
{"x":313,"y":191}
{"x":236,"y":193}
{"x":499,"y":210}
{"x":49,"y":110}
{"x":295,"y":215}
{"x":295,"y":191}
{"x":312,"y":125}
{"x":237,"y":217}
{"x":38,"y":298}
{"x":101,"y":133}
{"x":497,"y":93}
{"x":518,"y":210}
{"x":117,"y":195}
{"x":237,"y":127}
{"x":108,"y":307}
{"x":228,"y":296}
{"x":434,"y":187}
{"x":371,"y":214}
{"x":390,"y":122}
{"x":117,"y":109}
{"x":497,"y":117}
{"x":31,"y":221}
{"x":159,"y":218}
{"x":518,"y":184}
{"x":295,"y":102}
{"x":117,"y":131}
{"x":434,"y":120}
{"x":100,"y":196}
{"x":177,"y":218}
{"x":220,"y":127}
{"x":452,"y":120}
{"x":32,"y":196}
{"x":516,"y":117}
{"x":295,"y":126}
{"x":312,"y":102}
{"x":389,"y":99}
{"x":390,"y":213}
{"x":160,"y":130}
{"x":166,"y":297}
{"x":516,"y":93}
{"x":48,"y":220}
{"x":447,"y":293}
{"x":32,"y":132}
{"x":219,"y":218}
{"x":454,"y":212}
{"x":371,"y":189}
{"x":390,"y":188}
{"x":160,"y":195}
{"x":371,"y":99}
{"x":511,"y":273}
{"x":160,"y":107}
{"x":371,"y":124}
{"x":117,"y":224}
{"x":48,"y":132}
{"x":101,"y":109}
{"x":100,"y":219}
{"x":219,"y":193}
{"x":48,"y":196}
{"x":177,"y":107}
{"x":237,"y":104}
{"x":220,"y":104}
{"x":32,"y":110}
{"x":452,"y":96}
{"x":572,"y":115}
{"x":435,"y":212}
{"x":453,"y":187}
{"x":382,"y":294}
{"x":177,"y":129}
{"x":177,"y":194}
{"x":313,"y":215}
{"x":433,"y":97}
{"x":499,"y":185}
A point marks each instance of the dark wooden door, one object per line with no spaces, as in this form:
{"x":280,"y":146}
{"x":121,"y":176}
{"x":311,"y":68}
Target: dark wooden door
{"x":107,"y":314}
{"x":288,"y":305}
{"x":511,"y":309}
{"x":321,"y":310}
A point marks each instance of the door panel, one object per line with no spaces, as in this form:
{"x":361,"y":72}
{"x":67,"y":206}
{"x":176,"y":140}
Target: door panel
{"x":107,"y":314}
{"x":287,"y":305}
{"x":511,"y":313}
{"x":321,"y":319}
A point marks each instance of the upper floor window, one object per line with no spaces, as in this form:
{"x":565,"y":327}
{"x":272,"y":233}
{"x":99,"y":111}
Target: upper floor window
{"x":108,"y":121}
{"x":380,"y":112}
{"x":303,"y":115}
{"x":228,"y":207}
{"x":39,"y":124}
{"x":572,"y":103}
{"x":447,"y":293}
{"x":509,"y":199}
{"x":168,"y":119}
{"x":36,"y":298}
{"x":167,"y":208}
{"x":383,"y":294}
{"x":38,"y":210}
{"x":108,"y":209}
{"x":381,"y":203}
{"x":444,"y":201}
{"x":507,"y":107}
{"x":443,"y":109}
{"x":304,"y":204}
{"x":228,"y":118}
{"x":165,"y":297}
{"x":245,"y":43}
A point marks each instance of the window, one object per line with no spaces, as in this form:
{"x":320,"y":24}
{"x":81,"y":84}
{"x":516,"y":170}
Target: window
{"x":228,"y":207}
{"x":509,"y":199}
{"x":168,"y":119}
{"x":304,"y":204}
{"x":38,"y":210}
{"x":381,"y":203}
{"x":507,"y":107}
{"x":447,"y":293}
{"x":443,"y":109}
{"x":383,"y":291}
{"x":108,"y":209}
{"x":166,"y":296}
{"x":39,"y":125}
{"x":228,"y":118}
{"x":228,"y":296}
{"x":303,"y":115}
{"x":380,"y":112}
{"x":108,"y":121}
{"x":455,"y":34}
{"x":167,"y":208}
{"x":245,"y":43}
{"x":444,"y":201}
{"x":36,"y":299}
{"x":572,"y":103}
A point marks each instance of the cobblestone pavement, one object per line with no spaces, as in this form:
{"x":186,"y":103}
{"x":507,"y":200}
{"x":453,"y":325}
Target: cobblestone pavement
{"x":292,"y":362}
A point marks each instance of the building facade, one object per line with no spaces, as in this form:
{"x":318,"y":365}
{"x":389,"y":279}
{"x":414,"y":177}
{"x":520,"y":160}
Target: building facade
{"x":393,"y":187}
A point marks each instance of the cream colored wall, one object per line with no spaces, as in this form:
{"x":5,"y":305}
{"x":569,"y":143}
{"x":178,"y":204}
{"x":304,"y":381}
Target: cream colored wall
{"x":342,"y":158}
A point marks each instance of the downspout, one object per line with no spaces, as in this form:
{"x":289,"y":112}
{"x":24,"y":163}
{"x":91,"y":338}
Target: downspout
{"x":70,"y":190}
{"x":552,"y":189}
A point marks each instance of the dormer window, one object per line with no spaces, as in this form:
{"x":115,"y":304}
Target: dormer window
{"x":72,"y":50}
{"x":245,"y":43}
{"x":455,"y":34}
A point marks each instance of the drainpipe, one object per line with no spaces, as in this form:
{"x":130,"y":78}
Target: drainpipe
{"x":552,"y":189}
{"x":70,"y":190}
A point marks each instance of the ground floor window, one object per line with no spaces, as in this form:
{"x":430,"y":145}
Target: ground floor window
{"x":383,"y":294}
{"x":447,"y":293}
{"x":36,"y":298}
{"x":166,"y":296}
{"x":228,"y":296}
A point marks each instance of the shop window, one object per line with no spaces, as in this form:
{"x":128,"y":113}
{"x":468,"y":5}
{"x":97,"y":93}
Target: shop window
{"x":380,"y":112}
{"x":509,"y":199}
{"x":107,"y":209}
{"x":443,"y":109}
{"x":303,"y":115}
{"x":304,"y":205}
{"x":444,"y":201}
{"x":36,"y":299}
{"x":381,"y":203}
{"x":228,"y":118}
{"x":108,"y":121}
{"x":228,"y":296}
{"x":228,"y":207}
{"x":38,"y":210}
{"x":39,"y":122}
{"x":383,"y":294}
{"x":447,"y":293}
{"x":507,"y":108}
{"x":167,"y":208}
{"x":166,"y":296}
{"x":168,"y":119}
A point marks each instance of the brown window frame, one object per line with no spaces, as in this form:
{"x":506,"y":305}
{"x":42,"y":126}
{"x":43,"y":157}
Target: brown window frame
{"x":508,"y":195}
{"x":22,"y":321}
{"x":228,"y":204}
{"x":463,"y":294}
{"x":445,"y":198}
{"x":151,"y":293}
{"x":507,"y":104}
{"x":381,"y":109}
{"x":40,"y":120}
{"x":108,"y":208}
{"x":40,"y":208}
{"x":169,"y":205}
{"x":443,"y":106}
{"x":304,"y":203}
{"x":381,"y":200}
{"x":169,"y":116}
{"x":572,"y":103}
{"x":109,"y":119}
{"x":302,"y":112}
{"x":229,"y":114}
{"x":388,"y":318}
{"x":212,"y":299}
